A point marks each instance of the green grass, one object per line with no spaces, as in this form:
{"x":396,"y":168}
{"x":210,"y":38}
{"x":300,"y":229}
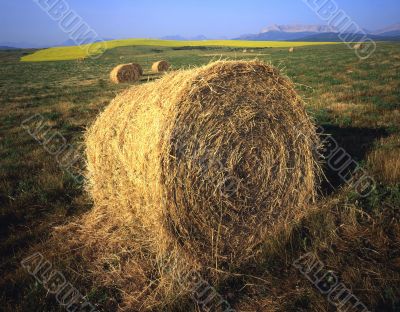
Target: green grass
{"x":71,"y":53}
{"x":357,"y":102}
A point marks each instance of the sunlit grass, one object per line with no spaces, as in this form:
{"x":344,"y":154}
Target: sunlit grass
{"x":76,"y":52}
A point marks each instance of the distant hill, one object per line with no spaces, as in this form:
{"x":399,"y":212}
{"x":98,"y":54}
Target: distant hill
{"x":19,"y":45}
{"x":72,"y":53}
{"x":7,"y":48}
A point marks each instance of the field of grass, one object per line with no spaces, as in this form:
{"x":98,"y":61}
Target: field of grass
{"x":357,"y":102}
{"x":72,"y":53}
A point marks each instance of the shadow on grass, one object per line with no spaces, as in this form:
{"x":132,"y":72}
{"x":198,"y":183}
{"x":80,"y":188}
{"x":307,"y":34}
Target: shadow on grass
{"x":356,"y":142}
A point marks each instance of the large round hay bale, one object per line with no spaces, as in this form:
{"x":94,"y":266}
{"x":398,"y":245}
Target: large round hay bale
{"x":126,"y":73}
{"x":212,"y":152}
{"x":203,"y":165}
{"x":161,"y":66}
{"x":291,"y":50}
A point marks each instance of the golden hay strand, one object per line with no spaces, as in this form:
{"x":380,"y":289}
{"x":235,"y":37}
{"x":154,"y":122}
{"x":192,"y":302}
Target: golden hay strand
{"x":126,"y":73}
{"x":195,"y":171}
{"x":161,"y":66}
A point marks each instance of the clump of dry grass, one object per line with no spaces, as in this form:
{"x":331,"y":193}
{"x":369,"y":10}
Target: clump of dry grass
{"x":350,"y":109}
{"x":194,"y":172}
{"x":126,"y":73}
{"x":385,"y":160}
{"x":160,"y":66}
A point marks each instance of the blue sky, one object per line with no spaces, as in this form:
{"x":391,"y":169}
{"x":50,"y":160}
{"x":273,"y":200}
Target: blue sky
{"x":23,"y":20}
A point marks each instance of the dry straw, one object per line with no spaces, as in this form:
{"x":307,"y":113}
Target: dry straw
{"x":195,"y":171}
{"x":291,"y":50}
{"x":126,"y":73}
{"x":161,"y":66}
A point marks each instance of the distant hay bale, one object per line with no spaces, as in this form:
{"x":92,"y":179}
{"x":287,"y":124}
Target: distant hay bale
{"x":126,"y":73}
{"x":358,"y":46}
{"x":291,"y":50}
{"x":81,"y":59}
{"x":161,"y":66}
{"x":192,"y":172}
{"x":251,"y":51}
{"x":245,"y":51}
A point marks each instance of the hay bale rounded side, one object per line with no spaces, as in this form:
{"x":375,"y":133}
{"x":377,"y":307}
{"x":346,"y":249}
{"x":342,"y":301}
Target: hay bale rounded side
{"x":126,"y":73}
{"x":210,"y":150}
{"x":291,"y":50}
{"x":160,"y":66}
{"x":203,"y":166}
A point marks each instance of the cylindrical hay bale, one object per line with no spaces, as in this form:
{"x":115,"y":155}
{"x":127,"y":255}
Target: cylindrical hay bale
{"x":213,"y":160}
{"x":291,"y":50}
{"x":161,"y":66}
{"x":126,"y":73}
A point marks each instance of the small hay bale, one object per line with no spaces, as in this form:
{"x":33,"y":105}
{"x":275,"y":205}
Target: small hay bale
{"x":358,"y":46}
{"x":161,"y":66}
{"x":291,"y":50}
{"x":245,"y":51}
{"x":195,"y":171}
{"x":126,"y":73}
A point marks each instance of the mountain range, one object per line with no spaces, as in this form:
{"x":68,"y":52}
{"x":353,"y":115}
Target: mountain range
{"x":318,"y":33}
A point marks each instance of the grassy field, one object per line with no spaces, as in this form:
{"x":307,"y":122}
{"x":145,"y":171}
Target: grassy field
{"x":72,"y":53}
{"x":357,"y":102}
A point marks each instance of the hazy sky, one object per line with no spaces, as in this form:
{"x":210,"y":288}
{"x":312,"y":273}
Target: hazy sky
{"x":23,"y":20}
